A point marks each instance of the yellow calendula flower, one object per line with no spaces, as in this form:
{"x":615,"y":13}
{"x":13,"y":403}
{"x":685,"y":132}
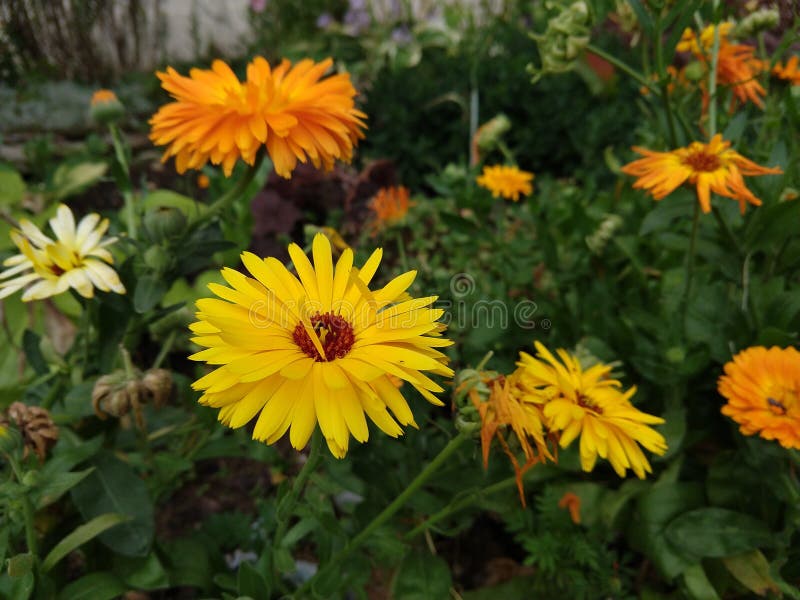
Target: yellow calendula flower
{"x":319,"y":346}
{"x":502,"y":411}
{"x":77,"y":258}
{"x":389,"y":205}
{"x":506,"y":181}
{"x":712,"y":167}
{"x":762,"y":387}
{"x":589,"y":404}
{"x":292,"y":111}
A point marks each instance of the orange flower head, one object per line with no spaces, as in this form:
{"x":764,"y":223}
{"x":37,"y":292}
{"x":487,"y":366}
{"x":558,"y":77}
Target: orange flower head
{"x":572,"y":502}
{"x":712,"y":167}
{"x":504,"y":410}
{"x":738,"y":68}
{"x":789,"y":72}
{"x":506,"y":181}
{"x":389,"y":206}
{"x":762,"y":387}
{"x":103,"y":96}
{"x":292,"y":111}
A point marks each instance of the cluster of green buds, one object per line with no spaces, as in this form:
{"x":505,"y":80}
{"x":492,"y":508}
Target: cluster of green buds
{"x":757,"y":21}
{"x":566,"y":37}
{"x":123,"y":392}
{"x":599,"y":239}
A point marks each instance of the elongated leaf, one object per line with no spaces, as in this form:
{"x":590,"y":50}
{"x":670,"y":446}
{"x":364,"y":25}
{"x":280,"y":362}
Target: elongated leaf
{"x":59,"y":484}
{"x":80,"y":536}
{"x":12,"y":187}
{"x":717,"y":532}
{"x":115,"y":487}
{"x":72,"y":179}
{"x":95,"y":586}
{"x":698,"y":585}
{"x":33,"y":353}
{"x":752,"y":571}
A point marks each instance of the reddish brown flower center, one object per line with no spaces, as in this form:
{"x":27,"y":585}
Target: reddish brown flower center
{"x":702,"y":161}
{"x":335,"y":335}
{"x":588,"y":404}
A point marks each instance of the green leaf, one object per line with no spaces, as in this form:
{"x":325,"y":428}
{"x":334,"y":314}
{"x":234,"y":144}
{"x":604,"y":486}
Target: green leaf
{"x":166,"y":198}
{"x":717,"y":532}
{"x":422,"y":576}
{"x":141,"y":573}
{"x":16,"y":588}
{"x":187,"y":563}
{"x":150,"y":289}
{"x":95,"y":586}
{"x":771,"y":226}
{"x":663,"y":214}
{"x":33,"y":353}
{"x":517,"y":587}
{"x":250,"y":582}
{"x":69,"y":180}
{"x":697,"y":584}
{"x":57,"y":485}
{"x":20,"y":564}
{"x":115,"y":487}
{"x":81,"y":535}
{"x":751,"y":569}
{"x":12,"y":187}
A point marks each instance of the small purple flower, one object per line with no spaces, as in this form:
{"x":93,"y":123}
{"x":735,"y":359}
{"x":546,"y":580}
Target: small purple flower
{"x":357,"y":17}
{"x":401,"y":35}
{"x":325,"y":20}
{"x":258,"y":6}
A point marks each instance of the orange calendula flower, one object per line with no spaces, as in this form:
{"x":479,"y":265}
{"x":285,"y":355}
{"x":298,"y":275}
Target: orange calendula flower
{"x":506,"y":181}
{"x":389,"y":205}
{"x":292,"y":111}
{"x":789,"y":72}
{"x":504,"y":410}
{"x":589,"y":404}
{"x":762,"y":387}
{"x":572,"y":502}
{"x":102,"y":96}
{"x":712,"y":167}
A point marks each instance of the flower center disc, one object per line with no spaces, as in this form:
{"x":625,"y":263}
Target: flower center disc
{"x":702,"y":161}
{"x":335,"y":334}
{"x":587,"y":403}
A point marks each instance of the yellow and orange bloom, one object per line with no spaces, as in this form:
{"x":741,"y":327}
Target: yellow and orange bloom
{"x":316,"y":347}
{"x":389,"y":206}
{"x":712,"y":167}
{"x":292,"y":111}
{"x":507,"y":181}
{"x":504,"y":410}
{"x":590,"y":404}
{"x":762,"y":387}
{"x":77,"y":258}
{"x":789,"y":72}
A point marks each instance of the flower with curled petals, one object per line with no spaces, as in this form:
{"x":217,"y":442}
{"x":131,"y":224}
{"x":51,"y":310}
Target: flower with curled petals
{"x":316,"y":347}
{"x":77,"y":258}
{"x":292,"y":111}
{"x":762,"y":387}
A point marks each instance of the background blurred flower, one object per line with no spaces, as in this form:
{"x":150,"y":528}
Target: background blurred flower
{"x":507,"y":181}
{"x":589,"y":404}
{"x":712,"y":167}
{"x":76,"y":259}
{"x":290,"y":110}
{"x":319,"y":348}
{"x":389,"y":206}
{"x":762,"y":387}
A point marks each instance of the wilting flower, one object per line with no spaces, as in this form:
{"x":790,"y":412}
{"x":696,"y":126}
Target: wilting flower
{"x":389,"y":205}
{"x":504,"y":410}
{"x":762,"y":387}
{"x":76,"y":259}
{"x":506,"y":181}
{"x":316,"y":347}
{"x":788,"y":72}
{"x":289,"y":109}
{"x":589,"y":404}
{"x":34,"y":423}
{"x":712,"y":167}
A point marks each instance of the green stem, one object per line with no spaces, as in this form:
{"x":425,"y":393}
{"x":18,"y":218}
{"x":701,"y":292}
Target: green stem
{"x":625,"y":68}
{"x":285,"y":509}
{"x":127,"y":193}
{"x":712,"y":82}
{"x":401,"y":250}
{"x":223,"y":202}
{"x":165,"y":349}
{"x":27,"y":510}
{"x":690,"y":258}
{"x":664,"y":85}
{"x":387,"y":512}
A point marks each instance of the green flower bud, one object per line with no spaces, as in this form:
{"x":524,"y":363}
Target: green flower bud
{"x":566,"y":37}
{"x":490,"y":133}
{"x":164,"y":222}
{"x":157,"y":258}
{"x":694,"y":71}
{"x":105,"y":107}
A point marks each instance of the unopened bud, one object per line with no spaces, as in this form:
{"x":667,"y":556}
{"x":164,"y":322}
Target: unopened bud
{"x":105,"y":107}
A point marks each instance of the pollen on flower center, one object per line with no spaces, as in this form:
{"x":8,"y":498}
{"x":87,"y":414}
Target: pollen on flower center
{"x":702,"y":161}
{"x":335,"y":335}
{"x":587,"y":403}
